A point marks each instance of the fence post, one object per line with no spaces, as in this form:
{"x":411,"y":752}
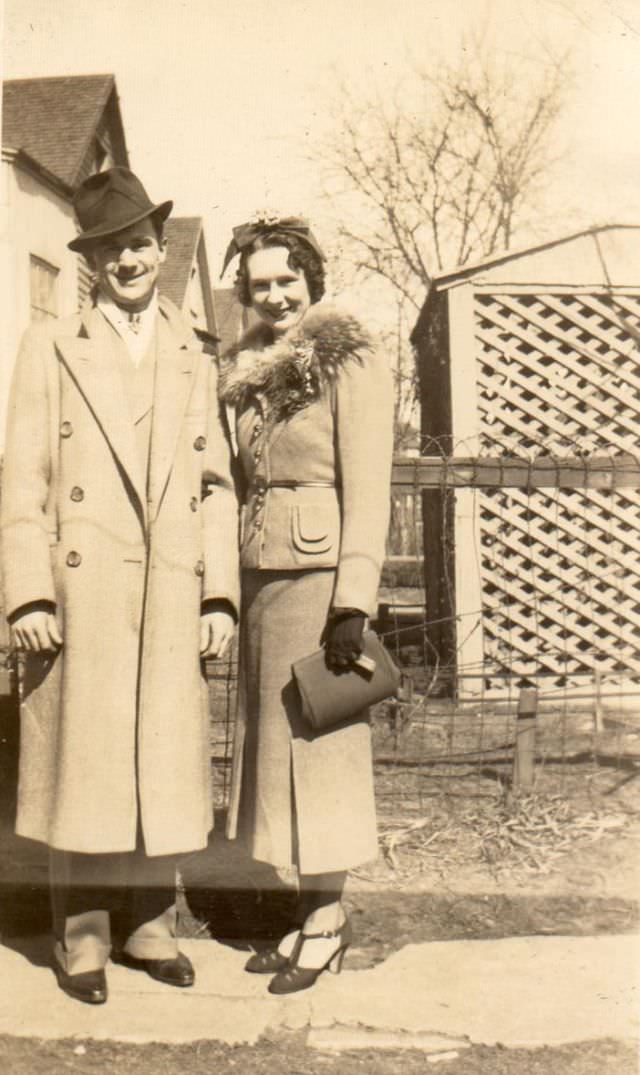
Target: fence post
{"x":525,"y":751}
{"x":465,"y":429}
{"x":598,"y":720}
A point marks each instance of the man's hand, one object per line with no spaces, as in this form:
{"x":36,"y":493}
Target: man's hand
{"x":36,"y":631}
{"x":216,"y":632}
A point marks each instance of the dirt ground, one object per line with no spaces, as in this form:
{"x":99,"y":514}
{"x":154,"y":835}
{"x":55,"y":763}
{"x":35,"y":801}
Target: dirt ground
{"x":288,"y":1053}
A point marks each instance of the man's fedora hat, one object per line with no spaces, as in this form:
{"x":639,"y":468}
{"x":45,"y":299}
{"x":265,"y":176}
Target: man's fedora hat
{"x":109,"y":201}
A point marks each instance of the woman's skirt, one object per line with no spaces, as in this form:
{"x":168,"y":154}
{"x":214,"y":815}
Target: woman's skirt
{"x":297,"y":798}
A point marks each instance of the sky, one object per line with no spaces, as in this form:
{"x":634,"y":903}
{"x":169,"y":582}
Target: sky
{"x":223,"y":103}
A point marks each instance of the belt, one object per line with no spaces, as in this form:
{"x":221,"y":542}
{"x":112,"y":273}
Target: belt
{"x":292,"y":483}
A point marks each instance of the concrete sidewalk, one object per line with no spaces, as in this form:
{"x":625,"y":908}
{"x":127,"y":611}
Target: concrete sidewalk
{"x":526,"y":991}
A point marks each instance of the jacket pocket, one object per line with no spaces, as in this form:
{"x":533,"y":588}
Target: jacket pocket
{"x":313,"y":531}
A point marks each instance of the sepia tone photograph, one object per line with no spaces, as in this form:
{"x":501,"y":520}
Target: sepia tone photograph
{"x":320,"y":537}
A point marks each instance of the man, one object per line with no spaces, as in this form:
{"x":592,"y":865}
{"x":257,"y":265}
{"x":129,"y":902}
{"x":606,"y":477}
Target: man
{"x":119,"y":552}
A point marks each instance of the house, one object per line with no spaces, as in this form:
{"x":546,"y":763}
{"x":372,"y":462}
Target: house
{"x":184,"y":277}
{"x":55,"y":132}
{"x":231,"y":318}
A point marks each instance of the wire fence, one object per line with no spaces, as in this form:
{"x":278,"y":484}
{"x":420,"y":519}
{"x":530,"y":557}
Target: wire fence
{"x":532,"y":581}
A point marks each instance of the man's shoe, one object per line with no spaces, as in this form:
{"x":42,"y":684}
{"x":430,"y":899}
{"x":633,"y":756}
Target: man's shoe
{"x":177,"y":971}
{"x":90,"y":987}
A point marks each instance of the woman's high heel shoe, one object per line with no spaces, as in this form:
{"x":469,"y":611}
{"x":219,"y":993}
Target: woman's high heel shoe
{"x":273,"y":960}
{"x":293,"y":978}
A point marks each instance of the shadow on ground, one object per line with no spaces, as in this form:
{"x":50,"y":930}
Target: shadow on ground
{"x":24,"y":896}
{"x":229,"y":897}
{"x":232,"y":898}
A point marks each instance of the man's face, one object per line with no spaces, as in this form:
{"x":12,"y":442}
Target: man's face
{"x":127,"y":264}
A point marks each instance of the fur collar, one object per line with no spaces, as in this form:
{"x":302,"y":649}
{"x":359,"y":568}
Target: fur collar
{"x":293,"y":371}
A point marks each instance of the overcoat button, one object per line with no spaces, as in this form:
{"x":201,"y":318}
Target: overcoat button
{"x":74,"y":559}
{"x":200,"y":443}
{"x":194,"y":503}
{"x":77,"y":494}
{"x":257,"y":455}
{"x":66,"y":429}
{"x":199,"y":569}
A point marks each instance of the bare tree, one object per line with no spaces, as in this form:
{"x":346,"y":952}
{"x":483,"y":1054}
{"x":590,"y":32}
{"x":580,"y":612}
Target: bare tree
{"x":445,"y":171}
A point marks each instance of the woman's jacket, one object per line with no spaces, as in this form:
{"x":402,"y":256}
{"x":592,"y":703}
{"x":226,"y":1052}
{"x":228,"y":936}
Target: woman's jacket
{"x":314,"y":431}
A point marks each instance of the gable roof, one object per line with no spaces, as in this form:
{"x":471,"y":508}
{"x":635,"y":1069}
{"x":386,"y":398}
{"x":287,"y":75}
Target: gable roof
{"x":186,"y":251}
{"x":599,"y":257}
{"x":604,"y":254}
{"x":54,"y":120}
{"x":183,"y":234}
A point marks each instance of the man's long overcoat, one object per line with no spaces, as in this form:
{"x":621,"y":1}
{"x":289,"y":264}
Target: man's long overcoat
{"x":115,"y":727}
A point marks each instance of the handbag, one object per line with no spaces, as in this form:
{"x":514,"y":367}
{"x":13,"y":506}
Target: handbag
{"x":329,"y":698}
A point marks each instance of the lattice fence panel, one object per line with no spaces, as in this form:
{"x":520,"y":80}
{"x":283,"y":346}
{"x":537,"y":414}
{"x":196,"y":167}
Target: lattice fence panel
{"x":559,"y":374}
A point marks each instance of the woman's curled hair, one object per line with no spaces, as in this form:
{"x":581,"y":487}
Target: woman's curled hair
{"x":301,"y":257}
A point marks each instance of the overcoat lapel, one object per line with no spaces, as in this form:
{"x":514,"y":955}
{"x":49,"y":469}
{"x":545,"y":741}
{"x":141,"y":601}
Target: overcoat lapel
{"x":92,"y":362}
{"x":176,"y":365}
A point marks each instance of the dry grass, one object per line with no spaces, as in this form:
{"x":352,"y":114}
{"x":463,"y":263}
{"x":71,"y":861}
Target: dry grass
{"x":521,"y":835}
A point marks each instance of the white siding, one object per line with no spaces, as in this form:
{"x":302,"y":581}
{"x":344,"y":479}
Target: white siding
{"x":33,"y":221}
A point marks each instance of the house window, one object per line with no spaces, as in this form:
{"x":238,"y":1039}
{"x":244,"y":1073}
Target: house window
{"x":85,"y":280}
{"x":44,"y":289}
{"x":103,"y":158}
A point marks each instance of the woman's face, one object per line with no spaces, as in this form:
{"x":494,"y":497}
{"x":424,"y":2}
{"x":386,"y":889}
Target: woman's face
{"x":279,"y":294}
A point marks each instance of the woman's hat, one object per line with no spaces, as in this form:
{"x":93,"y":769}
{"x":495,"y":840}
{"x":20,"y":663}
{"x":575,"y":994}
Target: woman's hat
{"x":265,"y":224}
{"x":109,"y":201}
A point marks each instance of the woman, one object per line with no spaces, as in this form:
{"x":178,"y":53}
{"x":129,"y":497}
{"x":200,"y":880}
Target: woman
{"x":313,"y":409}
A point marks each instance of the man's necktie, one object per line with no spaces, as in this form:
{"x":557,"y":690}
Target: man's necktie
{"x":134,"y":323}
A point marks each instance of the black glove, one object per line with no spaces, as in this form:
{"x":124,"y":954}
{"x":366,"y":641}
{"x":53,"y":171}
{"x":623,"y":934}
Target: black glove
{"x":343,"y":638}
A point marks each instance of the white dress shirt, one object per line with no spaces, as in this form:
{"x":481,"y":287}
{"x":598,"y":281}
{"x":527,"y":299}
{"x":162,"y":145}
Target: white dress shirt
{"x":135,"y":329}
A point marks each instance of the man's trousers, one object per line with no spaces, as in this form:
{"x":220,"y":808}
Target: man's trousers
{"x":126,"y":899}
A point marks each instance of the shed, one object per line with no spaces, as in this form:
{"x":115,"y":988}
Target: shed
{"x":535,"y":353}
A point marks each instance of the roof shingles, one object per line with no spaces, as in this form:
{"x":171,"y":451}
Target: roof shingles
{"x":182,"y":235}
{"x":54,"y":119}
